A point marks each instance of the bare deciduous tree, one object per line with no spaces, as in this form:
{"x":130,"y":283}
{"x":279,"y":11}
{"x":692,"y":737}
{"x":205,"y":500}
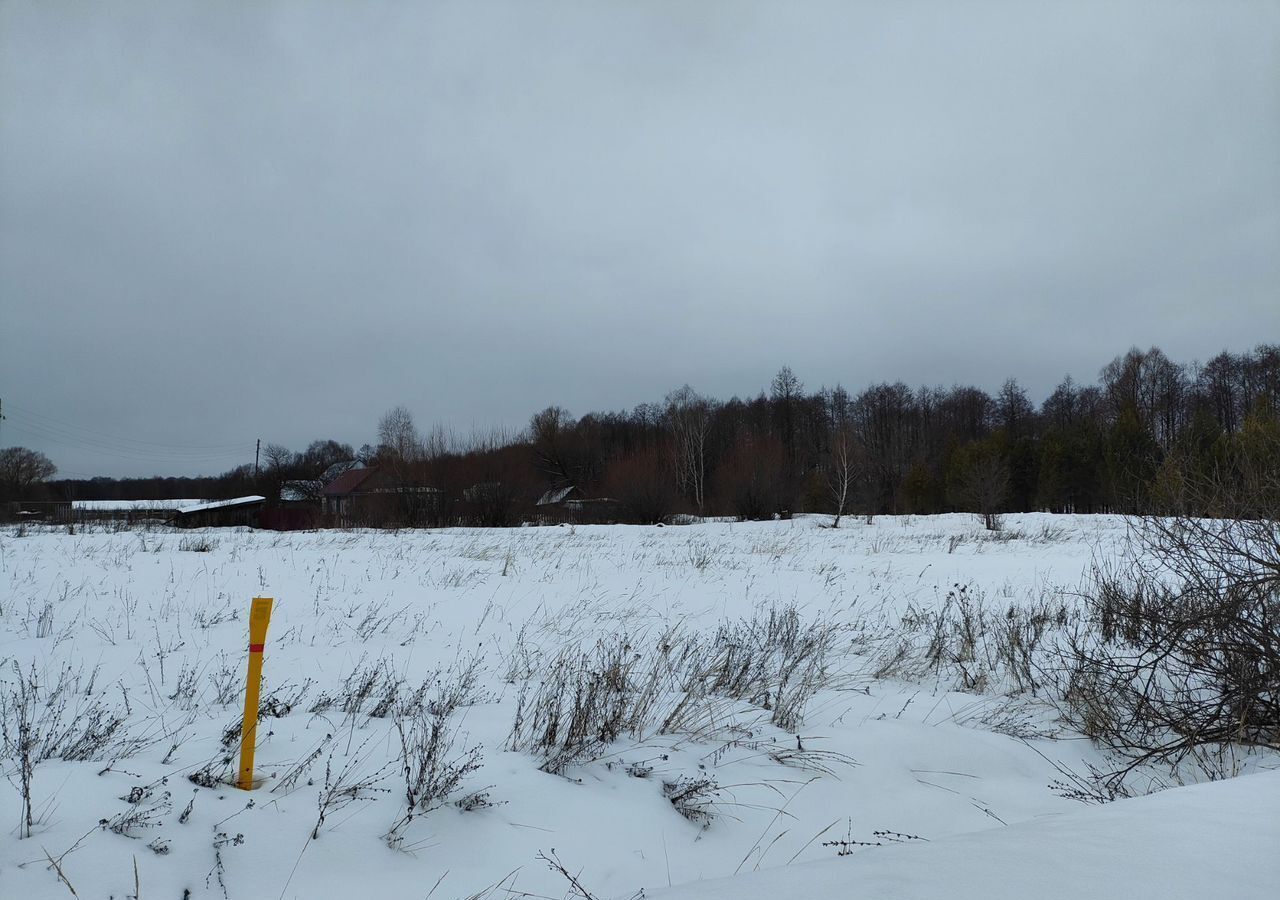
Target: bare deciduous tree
{"x":398,"y":435}
{"x":321,"y":454}
{"x":277,"y":457}
{"x":688,"y":415}
{"x":549,"y":432}
{"x":843,"y":471}
{"x":21,"y":469}
{"x":979,"y":482}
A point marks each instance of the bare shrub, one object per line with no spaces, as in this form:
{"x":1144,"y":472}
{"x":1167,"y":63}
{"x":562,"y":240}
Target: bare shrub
{"x":454,"y":687}
{"x":475,"y":800}
{"x":980,"y":649}
{"x":39,"y":722}
{"x":374,"y":685}
{"x":184,"y":692}
{"x":1050,"y":534}
{"x":576,"y":889}
{"x":1181,"y":653}
{"x":1164,"y":668}
{"x":693,"y":798}
{"x":587,"y":700}
{"x":356,"y":782}
{"x":848,"y":845}
{"x":214,"y":772}
{"x":700,"y":554}
{"x":198,"y":543}
{"x":378,"y":691}
{"x":226,"y":681}
{"x":207,"y":617}
{"x":138,"y":817}
{"x":774,"y":661}
{"x":433,"y":769}
{"x":674,"y":684}
{"x":276,"y":704}
{"x":821,"y":762}
{"x":1096,"y":787}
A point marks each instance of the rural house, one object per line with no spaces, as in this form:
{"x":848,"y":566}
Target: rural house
{"x":378,"y":498}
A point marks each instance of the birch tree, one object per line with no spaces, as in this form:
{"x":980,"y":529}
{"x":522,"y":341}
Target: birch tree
{"x":689,"y":418}
{"x":843,"y":471}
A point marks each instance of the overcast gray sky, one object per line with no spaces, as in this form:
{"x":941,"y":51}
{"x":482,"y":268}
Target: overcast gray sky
{"x":225,"y":221}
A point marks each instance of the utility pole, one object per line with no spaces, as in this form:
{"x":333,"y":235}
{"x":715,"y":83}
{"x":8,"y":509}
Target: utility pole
{"x":1,"y":410}
{"x":256,"y":450}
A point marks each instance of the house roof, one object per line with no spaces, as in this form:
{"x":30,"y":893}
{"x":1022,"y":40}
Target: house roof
{"x":339,"y":468}
{"x":555,"y":495}
{"x":220,"y":504}
{"x":123,"y":505}
{"x":347,"y":482}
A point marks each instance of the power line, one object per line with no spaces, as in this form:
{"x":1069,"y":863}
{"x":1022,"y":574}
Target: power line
{"x":70,"y":428}
{"x":83,"y":444}
{"x":64,"y":437}
{"x":124,"y":452}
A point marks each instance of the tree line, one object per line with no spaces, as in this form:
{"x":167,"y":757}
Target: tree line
{"x":1119,"y":444}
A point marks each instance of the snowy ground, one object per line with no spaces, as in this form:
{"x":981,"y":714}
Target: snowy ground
{"x":1207,"y":840}
{"x":903,"y":760}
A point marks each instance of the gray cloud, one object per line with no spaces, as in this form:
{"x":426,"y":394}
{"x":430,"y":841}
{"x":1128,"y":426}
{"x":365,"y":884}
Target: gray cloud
{"x":225,"y":221}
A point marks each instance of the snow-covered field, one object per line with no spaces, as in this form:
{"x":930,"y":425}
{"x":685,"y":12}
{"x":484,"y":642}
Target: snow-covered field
{"x":922,"y":742}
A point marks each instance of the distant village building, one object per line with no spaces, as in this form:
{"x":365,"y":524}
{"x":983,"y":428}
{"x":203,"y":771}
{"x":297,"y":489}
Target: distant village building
{"x":567,"y":505}
{"x":375,"y":498}
{"x":221,"y":513}
{"x":559,"y":497}
{"x":342,"y":494}
{"x":51,"y":511}
{"x":340,"y":468}
{"x":298,"y":508}
{"x":131,"y":511}
{"x":66,"y":512}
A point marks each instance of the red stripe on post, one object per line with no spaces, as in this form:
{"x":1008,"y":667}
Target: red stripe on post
{"x":255,"y":648}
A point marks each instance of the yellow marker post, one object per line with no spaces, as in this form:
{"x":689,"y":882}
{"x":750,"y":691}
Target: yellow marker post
{"x":259,"y":618}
